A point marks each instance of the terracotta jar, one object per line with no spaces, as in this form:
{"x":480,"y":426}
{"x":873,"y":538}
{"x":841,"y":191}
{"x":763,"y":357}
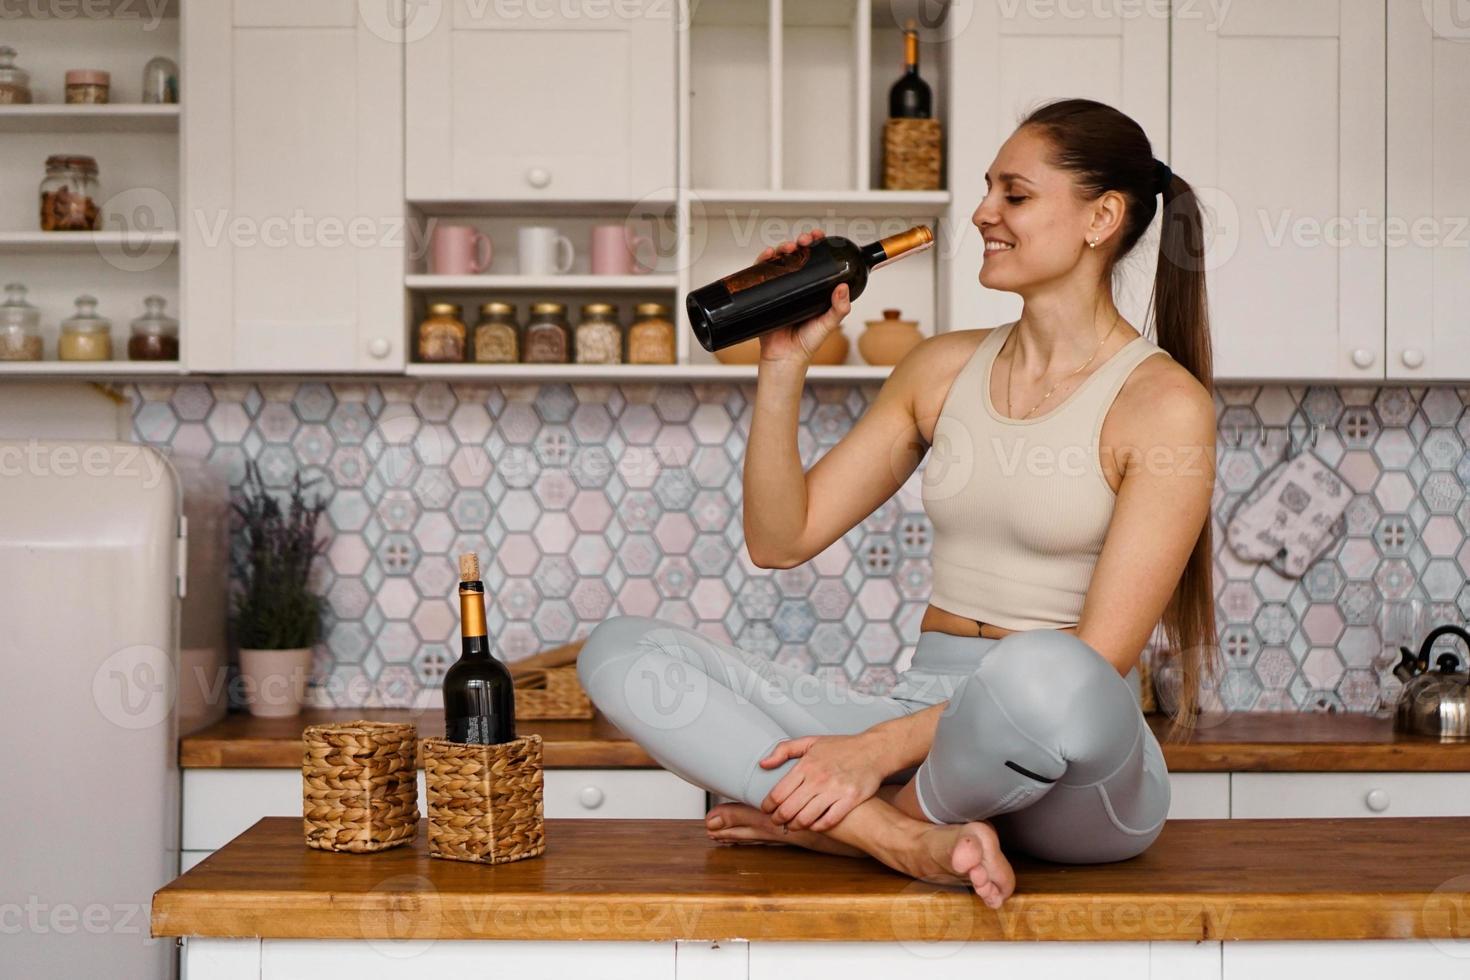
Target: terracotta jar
{"x":886,"y":341}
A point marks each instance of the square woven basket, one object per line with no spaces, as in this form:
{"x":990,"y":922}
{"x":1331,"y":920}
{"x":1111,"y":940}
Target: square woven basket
{"x":485,"y":801}
{"x":359,"y":789}
{"x":912,"y":154}
{"x":551,"y":693}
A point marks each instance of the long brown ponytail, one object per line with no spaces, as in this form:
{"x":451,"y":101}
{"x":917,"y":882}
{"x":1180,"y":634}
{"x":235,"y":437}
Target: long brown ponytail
{"x":1106,"y":150}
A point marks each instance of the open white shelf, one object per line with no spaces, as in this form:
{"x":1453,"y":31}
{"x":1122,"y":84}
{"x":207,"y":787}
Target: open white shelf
{"x":89,"y":118}
{"x":560,"y":283}
{"x":90,"y":369}
{"x":712,"y":371}
{"x":77,"y":241}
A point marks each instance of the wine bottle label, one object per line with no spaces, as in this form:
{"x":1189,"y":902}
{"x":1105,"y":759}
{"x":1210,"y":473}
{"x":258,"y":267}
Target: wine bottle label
{"x":781,"y":265}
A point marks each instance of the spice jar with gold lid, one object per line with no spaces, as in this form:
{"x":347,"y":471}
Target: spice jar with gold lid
{"x":88,"y":86}
{"x":599,"y":335}
{"x":497,"y":335}
{"x":154,"y":336}
{"x":85,"y":336}
{"x":442,"y":334}
{"x":548,"y":335}
{"x":651,"y":337}
{"x":69,"y":194}
{"x":20,"y":327}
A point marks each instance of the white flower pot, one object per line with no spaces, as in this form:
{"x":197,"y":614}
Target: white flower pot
{"x":275,"y":680}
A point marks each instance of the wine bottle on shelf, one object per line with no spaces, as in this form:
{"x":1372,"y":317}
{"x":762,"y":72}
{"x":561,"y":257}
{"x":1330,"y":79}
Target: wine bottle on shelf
{"x":910,"y":98}
{"x":791,"y":287}
{"x":479,"y":696}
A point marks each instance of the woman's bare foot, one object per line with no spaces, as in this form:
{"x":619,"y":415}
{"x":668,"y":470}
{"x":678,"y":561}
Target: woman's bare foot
{"x":970,"y":854}
{"x":737,"y":823}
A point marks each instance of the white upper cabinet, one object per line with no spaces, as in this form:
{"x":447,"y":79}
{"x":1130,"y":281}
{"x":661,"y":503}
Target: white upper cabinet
{"x":1278,"y":117}
{"x":530,"y":100}
{"x":1007,"y":60}
{"x":1428,"y":191}
{"x":294,"y":238}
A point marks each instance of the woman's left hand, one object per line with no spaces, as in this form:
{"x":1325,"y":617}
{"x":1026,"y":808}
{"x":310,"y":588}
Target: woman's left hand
{"x":833,"y":774}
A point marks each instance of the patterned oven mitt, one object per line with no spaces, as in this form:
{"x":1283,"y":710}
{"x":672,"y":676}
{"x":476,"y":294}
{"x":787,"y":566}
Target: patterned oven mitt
{"x":1294,"y":513}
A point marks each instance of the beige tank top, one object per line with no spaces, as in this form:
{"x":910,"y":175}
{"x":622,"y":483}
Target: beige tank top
{"x":1020,"y":508}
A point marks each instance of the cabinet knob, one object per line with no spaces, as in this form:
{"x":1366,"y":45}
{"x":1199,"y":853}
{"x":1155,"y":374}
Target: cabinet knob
{"x":1412,"y":357}
{"x":1363,"y":357}
{"x":590,"y":797}
{"x":379,"y":347}
{"x":1377,"y":800}
{"x":538,"y":176}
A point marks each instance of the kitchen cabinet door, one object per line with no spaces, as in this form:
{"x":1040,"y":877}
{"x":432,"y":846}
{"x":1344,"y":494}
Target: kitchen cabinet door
{"x":1428,"y":193}
{"x":1006,"y":60}
{"x":1284,"y":795}
{"x":1278,"y":117}
{"x":294,"y":243}
{"x":541,"y":101}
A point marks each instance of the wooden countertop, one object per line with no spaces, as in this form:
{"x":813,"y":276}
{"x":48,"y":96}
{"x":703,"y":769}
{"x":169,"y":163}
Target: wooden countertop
{"x":1248,"y":742}
{"x":663,"y":879}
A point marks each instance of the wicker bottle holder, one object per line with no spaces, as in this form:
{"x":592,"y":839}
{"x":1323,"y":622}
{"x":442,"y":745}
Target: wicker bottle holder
{"x":359,"y":786}
{"x":912,"y":154}
{"x":549,"y":693}
{"x":485,"y":801}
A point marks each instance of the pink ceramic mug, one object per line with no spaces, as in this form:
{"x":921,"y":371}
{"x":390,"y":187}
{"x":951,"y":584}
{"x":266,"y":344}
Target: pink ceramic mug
{"x":615,"y":251}
{"x":459,"y":250}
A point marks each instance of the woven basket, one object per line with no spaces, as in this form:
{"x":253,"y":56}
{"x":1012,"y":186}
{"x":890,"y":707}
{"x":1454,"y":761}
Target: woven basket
{"x":912,"y":154}
{"x":549,"y":693}
{"x":359,"y":786}
{"x":485,"y":801}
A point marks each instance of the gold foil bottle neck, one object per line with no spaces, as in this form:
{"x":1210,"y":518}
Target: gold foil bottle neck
{"x":915,"y":238}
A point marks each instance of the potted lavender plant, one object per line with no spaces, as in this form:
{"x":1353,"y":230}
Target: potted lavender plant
{"x":277,"y":617}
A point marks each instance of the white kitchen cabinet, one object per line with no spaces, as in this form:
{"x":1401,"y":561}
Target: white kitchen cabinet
{"x":540,"y":101}
{"x":1278,"y":118}
{"x":219,"y":804}
{"x":1363,"y":960}
{"x":1005,"y":62}
{"x":1349,"y":794}
{"x":1428,"y":233}
{"x":294,"y":243}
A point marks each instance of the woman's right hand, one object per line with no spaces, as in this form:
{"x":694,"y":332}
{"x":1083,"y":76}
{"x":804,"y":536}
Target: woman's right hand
{"x":797,"y":343}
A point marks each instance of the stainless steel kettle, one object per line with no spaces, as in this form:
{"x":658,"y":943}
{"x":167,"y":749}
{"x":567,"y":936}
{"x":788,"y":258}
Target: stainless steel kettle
{"x":1435,"y":703}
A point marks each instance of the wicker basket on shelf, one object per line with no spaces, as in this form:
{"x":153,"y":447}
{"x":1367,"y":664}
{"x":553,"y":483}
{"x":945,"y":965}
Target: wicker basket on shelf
{"x":551,"y":693}
{"x":912,"y":154}
{"x":359,"y":786}
{"x":485,"y":801}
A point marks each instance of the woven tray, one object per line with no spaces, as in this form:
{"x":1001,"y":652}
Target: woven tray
{"x":551,"y":693}
{"x":485,"y":801}
{"x":359,"y":790}
{"x":912,"y":154}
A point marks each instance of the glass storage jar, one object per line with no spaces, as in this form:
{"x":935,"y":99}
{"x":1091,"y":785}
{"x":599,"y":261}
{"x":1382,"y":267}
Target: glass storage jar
{"x":497,"y":335}
{"x":442,"y":334}
{"x":599,"y":335}
{"x":548,"y":335}
{"x":160,"y":82}
{"x":155,"y":337}
{"x":651,"y":337}
{"x":15,"y":83}
{"x":20,"y":327}
{"x":87,"y":86}
{"x":69,"y":195}
{"x":85,"y":336}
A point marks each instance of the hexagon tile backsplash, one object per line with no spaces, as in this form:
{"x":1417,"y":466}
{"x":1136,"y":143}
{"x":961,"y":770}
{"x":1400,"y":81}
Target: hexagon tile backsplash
{"x":586,"y":501}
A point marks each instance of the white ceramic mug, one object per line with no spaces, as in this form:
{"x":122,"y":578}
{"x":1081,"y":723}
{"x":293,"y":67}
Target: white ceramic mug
{"x":544,"y":251}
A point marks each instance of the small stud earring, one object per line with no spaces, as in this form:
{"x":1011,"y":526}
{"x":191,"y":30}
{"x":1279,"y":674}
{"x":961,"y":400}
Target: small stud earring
{"x":1092,"y":244}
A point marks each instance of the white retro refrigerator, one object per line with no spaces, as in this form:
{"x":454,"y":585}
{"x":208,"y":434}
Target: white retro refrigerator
{"x":91,"y":549}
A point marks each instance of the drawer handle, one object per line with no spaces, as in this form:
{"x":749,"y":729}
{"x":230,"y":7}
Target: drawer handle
{"x":1377,"y":800}
{"x":1412,"y":357}
{"x":1362,"y":357}
{"x":538,"y":176}
{"x":590,"y":797}
{"x":379,"y":348}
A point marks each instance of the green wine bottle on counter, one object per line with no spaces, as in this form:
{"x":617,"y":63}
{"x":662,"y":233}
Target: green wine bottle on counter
{"x":791,"y":287}
{"x":479,"y":695}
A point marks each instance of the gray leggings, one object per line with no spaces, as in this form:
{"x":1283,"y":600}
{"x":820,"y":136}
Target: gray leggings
{"x":1041,"y":736}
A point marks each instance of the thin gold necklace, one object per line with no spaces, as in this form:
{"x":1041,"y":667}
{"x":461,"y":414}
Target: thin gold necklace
{"x":1011,"y":373}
